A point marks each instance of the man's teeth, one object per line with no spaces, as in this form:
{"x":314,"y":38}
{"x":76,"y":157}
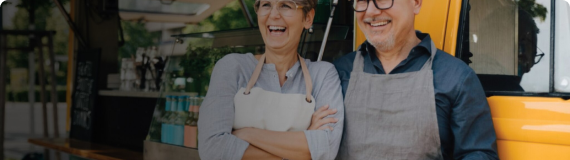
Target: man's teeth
{"x":276,"y":28}
{"x":381,"y":23}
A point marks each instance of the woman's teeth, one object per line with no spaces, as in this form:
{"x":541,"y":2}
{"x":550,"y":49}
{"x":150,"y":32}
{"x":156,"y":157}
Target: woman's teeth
{"x":381,"y":23}
{"x":276,"y":28}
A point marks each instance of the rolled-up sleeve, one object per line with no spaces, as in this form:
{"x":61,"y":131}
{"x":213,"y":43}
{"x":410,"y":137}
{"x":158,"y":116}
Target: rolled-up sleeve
{"x":471,"y":122}
{"x":324,"y":144}
{"x":215,"y":141}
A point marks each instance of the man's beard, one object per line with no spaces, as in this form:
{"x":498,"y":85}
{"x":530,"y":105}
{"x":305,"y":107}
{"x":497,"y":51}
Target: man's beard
{"x":385,"y":45}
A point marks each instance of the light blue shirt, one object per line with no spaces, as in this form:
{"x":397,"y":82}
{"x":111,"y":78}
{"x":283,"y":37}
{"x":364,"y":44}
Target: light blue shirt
{"x":215,"y":141}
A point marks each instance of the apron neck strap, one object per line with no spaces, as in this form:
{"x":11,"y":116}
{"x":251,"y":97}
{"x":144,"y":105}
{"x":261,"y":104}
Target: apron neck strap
{"x":358,"y":64}
{"x":308,"y":81}
{"x":255,"y":74}
{"x":259,"y":66}
{"x":429,"y":62}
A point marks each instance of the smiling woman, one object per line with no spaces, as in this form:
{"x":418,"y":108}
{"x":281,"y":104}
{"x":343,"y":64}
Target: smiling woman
{"x":279,"y":25}
{"x":275,"y":105}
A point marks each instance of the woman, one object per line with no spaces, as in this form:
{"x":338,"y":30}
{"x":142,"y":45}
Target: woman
{"x":264,"y":106}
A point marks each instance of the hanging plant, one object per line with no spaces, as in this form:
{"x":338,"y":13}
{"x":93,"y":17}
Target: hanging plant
{"x":198,"y":62}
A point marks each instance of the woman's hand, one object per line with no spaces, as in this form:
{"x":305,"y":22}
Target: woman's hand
{"x":318,"y":120}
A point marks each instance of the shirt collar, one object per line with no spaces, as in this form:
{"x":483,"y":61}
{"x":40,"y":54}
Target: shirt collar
{"x":292,"y":72}
{"x":424,"y":47}
{"x":425,"y":43}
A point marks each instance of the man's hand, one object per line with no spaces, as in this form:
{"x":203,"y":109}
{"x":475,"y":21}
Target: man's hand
{"x":318,"y":120}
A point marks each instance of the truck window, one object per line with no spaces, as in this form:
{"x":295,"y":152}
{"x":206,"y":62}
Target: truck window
{"x":562,"y":47}
{"x":508,"y":43}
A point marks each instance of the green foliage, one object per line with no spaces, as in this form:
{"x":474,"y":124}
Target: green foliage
{"x":57,"y":23}
{"x":534,"y":9}
{"x":136,"y":35}
{"x":195,"y":64}
{"x":42,"y":12}
{"x":229,"y":17}
{"x":198,"y":63}
{"x":47,"y":17}
{"x":196,"y":60}
{"x":18,"y":59}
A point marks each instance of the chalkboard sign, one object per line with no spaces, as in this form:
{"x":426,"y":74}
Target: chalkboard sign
{"x":84,"y":94}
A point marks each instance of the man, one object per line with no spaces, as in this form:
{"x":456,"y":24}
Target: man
{"x":404,"y":98}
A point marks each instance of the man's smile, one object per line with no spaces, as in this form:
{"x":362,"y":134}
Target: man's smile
{"x":379,"y":23}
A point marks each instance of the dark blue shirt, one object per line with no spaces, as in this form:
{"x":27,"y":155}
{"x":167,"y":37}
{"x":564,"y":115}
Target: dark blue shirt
{"x":463,"y":115}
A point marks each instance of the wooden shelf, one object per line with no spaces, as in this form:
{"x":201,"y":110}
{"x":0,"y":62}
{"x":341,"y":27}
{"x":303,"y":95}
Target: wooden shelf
{"x":156,"y":150}
{"x":86,"y":149}
{"x":117,"y":93}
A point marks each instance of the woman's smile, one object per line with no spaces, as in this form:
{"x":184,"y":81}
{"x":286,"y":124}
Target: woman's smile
{"x":275,"y":30}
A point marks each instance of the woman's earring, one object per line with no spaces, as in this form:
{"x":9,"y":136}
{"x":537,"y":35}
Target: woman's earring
{"x":311,"y":31}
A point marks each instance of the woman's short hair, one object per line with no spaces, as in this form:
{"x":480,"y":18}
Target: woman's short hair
{"x":308,"y":5}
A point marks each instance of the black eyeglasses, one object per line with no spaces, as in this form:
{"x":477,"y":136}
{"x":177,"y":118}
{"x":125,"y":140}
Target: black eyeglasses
{"x":362,"y":5}
{"x":539,"y":56}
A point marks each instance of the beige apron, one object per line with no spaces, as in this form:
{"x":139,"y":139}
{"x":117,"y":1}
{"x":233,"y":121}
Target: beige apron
{"x":255,"y":107}
{"x":390,"y":116}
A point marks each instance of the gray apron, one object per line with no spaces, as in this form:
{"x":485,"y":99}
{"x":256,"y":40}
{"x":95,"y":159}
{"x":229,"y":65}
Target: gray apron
{"x":390,"y":116}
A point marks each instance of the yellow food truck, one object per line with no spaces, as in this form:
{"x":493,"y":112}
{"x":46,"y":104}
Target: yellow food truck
{"x":520,"y":50}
